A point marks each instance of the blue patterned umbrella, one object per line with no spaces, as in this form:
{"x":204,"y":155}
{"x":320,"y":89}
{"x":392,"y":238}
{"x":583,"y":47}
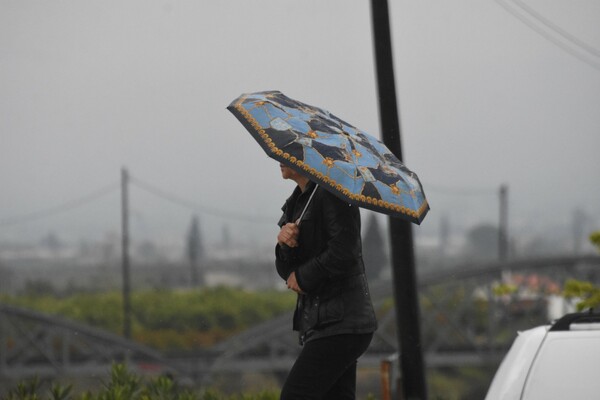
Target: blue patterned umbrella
{"x":339,"y":157}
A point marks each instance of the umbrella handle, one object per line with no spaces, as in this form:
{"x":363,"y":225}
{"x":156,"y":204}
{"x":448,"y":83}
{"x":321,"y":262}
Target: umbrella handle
{"x":306,"y":206}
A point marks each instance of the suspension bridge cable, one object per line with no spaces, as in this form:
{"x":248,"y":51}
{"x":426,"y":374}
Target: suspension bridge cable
{"x":61,"y":208}
{"x":547,"y":36}
{"x":196,"y":207}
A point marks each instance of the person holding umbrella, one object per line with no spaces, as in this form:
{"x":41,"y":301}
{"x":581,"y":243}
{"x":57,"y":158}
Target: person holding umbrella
{"x":337,"y":168}
{"x":319,"y":256}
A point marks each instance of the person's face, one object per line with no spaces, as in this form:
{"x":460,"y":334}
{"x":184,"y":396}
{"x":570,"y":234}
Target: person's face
{"x":288,"y":173}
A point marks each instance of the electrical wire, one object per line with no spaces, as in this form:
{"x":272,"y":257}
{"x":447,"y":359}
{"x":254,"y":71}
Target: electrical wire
{"x":547,"y":36}
{"x":151,"y":189}
{"x":61,"y":208}
{"x":571,"y":38}
{"x":461,"y":191}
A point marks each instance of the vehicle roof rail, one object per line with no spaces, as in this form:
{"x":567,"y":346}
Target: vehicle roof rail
{"x":564,"y":323}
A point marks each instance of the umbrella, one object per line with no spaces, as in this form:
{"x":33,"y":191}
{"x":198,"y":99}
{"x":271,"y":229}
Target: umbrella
{"x":337,"y":156}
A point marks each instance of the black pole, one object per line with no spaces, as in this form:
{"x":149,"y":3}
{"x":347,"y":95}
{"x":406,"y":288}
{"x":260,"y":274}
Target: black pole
{"x":403,"y":261}
{"x":125,"y":253}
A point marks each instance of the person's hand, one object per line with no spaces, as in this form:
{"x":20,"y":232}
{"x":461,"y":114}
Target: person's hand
{"x":288,"y":235}
{"x":292,"y":283}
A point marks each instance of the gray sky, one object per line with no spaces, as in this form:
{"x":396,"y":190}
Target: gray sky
{"x":87,"y":87}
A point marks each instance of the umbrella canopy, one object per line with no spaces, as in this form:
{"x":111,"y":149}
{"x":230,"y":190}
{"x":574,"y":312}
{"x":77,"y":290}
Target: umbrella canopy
{"x":339,"y":157}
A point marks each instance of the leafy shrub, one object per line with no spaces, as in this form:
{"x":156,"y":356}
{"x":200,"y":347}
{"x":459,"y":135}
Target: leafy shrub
{"x":124,"y":385}
{"x":586,"y":293}
{"x":168,"y":319}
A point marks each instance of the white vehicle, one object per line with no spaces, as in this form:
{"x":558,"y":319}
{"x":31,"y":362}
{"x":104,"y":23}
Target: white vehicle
{"x":558,"y":361}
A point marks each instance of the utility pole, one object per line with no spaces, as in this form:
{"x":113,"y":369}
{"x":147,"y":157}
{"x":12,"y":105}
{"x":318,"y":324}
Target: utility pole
{"x":444,"y":236}
{"x":125,"y":253}
{"x":403,"y":260}
{"x":195,"y":252}
{"x":503,"y":224}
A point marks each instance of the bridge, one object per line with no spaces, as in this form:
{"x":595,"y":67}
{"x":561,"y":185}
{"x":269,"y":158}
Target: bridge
{"x":466,"y":317}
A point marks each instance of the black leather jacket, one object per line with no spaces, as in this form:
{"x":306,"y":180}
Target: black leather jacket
{"x":329,"y":266}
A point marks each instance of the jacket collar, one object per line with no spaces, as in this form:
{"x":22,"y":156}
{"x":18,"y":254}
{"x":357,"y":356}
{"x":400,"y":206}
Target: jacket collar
{"x":297,"y":193}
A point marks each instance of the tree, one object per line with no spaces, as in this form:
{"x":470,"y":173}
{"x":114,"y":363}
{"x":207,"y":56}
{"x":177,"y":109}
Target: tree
{"x":195,"y":251}
{"x":53,"y":243}
{"x":147,"y":251}
{"x":7,"y":276}
{"x":226,"y":238}
{"x":374,"y":254}
{"x":444,"y":235}
{"x":587,"y":294}
{"x":578,"y":228}
{"x":595,"y":239}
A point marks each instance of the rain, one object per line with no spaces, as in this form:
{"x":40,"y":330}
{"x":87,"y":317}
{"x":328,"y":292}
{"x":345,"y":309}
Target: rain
{"x":498,"y":104}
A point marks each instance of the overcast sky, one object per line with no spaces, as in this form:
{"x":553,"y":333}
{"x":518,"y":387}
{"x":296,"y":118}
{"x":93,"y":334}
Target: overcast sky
{"x":489,"y":92}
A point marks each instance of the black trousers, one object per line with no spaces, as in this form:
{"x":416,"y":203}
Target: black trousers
{"x":326,"y":369}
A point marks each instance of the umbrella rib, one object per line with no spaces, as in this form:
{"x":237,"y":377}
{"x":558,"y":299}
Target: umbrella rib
{"x":299,"y":220}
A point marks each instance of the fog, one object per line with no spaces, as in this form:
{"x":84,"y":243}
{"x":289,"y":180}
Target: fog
{"x":489,"y":93}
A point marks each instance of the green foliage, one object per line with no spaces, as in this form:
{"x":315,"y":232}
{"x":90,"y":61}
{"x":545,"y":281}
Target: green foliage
{"x":125,"y":385}
{"x":587,"y":293}
{"x":27,"y":390}
{"x":443,"y":300}
{"x":264,"y":395}
{"x":162,"y":388}
{"x":58,"y":392}
{"x":595,"y":239}
{"x":168,"y":319}
{"x":459,"y":383}
{"x":504,"y":289}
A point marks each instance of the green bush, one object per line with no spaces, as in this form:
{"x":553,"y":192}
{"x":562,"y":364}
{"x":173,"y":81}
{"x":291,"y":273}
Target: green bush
{"x":124,"y":385}
{"x":595,"y":239}
{"x":167,"y":319}
{"x":586,"y":293}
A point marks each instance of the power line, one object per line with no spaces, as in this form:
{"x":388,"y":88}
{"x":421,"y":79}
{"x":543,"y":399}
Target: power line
{"x":461,"y":191}
{"x":547,"y":36}
{"x":60,"y":209}
{"x":195,"y":207}
{"x":571,"y":38}
{"x":104,"y":191}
